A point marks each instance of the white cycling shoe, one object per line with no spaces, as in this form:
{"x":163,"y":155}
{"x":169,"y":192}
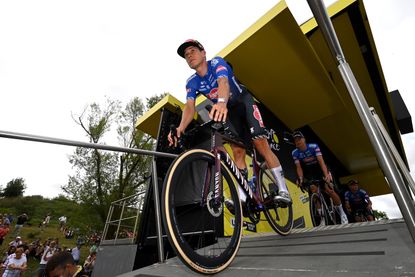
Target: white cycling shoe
{"x":284,"y":197}
{"x":344,"y":219}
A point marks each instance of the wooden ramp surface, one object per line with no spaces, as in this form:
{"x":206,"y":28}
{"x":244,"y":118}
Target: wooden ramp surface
{"x":381,"y":248}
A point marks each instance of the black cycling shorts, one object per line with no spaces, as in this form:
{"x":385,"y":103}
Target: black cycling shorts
{"x":245,"y":119}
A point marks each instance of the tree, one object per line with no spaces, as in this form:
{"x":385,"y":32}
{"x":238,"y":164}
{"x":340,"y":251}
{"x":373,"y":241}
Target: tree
{"x":379,"y":215}
{"x":154,"y":100}
{"x":95,"y":170}
{"x":102,"y":177}
{"x":14,"y":188}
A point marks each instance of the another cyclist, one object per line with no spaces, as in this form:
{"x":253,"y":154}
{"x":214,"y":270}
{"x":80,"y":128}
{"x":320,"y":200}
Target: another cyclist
{"x":233,"y":102}
{"x":357,"y":202}
{"x":311,"y":166}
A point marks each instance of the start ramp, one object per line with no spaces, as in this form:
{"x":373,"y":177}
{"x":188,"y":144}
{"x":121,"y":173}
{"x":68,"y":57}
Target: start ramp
{"x":381,"y":248}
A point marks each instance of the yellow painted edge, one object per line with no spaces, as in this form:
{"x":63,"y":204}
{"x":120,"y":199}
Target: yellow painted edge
{"x":332,"y":10}
{"x":167,"y":99}
{"x":261,"y":22}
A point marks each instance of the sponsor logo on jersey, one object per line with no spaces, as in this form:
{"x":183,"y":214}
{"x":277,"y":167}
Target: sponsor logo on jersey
{"x":213,"y":94}
{"x":257,"y":115}
{"x":214,"y":62}
{"x":220,"y":68}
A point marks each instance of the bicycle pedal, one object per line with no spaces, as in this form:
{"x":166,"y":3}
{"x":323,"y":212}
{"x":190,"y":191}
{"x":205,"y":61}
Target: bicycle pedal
{"x":249,"y":226}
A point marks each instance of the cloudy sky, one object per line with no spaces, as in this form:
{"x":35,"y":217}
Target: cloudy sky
{"x":58,"y":56}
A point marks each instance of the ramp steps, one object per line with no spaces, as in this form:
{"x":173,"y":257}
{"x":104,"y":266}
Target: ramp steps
{"x":381,"y":249}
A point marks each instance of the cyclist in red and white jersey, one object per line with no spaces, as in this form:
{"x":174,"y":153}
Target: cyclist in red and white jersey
{"x":232,"y":102}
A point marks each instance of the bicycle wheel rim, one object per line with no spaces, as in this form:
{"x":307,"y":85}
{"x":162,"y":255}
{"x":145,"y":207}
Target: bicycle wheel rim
{"x":205,"y":247}
{"x":315,"y":216}
{"x":279,"y":218}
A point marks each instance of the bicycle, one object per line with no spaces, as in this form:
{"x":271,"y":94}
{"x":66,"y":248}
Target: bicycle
{"x":197,"y":185}
{"x":322,"y":213}
{"x":362,"y":215}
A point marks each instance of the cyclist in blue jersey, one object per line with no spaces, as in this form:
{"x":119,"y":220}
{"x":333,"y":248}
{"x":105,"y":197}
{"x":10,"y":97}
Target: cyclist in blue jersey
{"x":311,"y":166}
{"x":357,"y":202}
{"x":232,"y":102}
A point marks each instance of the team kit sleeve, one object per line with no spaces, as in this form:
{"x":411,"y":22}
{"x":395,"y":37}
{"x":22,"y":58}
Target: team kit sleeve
{"x":220,"y":68}
{"x":295,"y":158}
{"x":191,"y":90}
{"x":317,"y":150}
{"x":346,"y":196}
{"x":366,"y":196}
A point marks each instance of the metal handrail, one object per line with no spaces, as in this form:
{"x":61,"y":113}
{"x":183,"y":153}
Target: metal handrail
{"x":52,"y":140}
{"x":30,"y":137}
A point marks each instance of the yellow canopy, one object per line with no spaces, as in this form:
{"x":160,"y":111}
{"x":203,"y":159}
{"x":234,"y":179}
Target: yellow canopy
{"x":290,"y":69}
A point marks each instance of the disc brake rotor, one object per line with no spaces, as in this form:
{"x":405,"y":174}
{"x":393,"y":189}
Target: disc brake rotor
{"x":215,"y":208}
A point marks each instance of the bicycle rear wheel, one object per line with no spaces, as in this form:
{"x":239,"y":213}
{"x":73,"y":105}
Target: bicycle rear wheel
{"x":196,"y":227}
{"x":279,"y":217}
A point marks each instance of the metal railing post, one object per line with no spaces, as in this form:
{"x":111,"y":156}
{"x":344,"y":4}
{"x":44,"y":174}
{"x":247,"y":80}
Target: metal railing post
{"x":383,"y":154}
{"x":160,"y":247}
{"x":119,"y":222}
{"x":395,"y":152}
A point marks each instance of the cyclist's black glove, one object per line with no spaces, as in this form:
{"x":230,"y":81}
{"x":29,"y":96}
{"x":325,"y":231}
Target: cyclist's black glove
{"x":299,"y":182}
{"x":173,"y":134}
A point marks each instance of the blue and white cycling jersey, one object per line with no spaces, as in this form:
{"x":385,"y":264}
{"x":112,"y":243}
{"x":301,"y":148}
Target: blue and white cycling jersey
{"x":307,"y":157}
{"x":208,"y":85}
{"x":357,"y":200}
{"x":308,"y":160}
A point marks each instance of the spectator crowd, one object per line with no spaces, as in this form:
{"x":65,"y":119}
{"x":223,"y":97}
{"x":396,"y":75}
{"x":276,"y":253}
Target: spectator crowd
{"x":17,"y":250}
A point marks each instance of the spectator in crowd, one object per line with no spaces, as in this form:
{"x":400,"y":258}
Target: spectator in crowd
{"x":4,"y":230}
{"x":45,"y":222}
{"x":69,"y":234}
{"x":63,"y":265}
{"x":33,"y":246}
{"x":10,"y":217}
{"x":76,"y":253}
{"x":46,"y":256}
{"x":357,"y":202}
{"x":15,"y":264}
{"x":21,"y":220}
{"x":10,"y":250}
{"x":93,"y":248}
{"x":6,"y":219}
{"x":62,"y":222}
{"x":16,"y":242}
{"x":89,"y":263}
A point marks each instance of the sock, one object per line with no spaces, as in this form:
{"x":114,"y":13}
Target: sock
{"x":279,"y":176}
{"x":320,"y":212}
{"x":339,"y":209}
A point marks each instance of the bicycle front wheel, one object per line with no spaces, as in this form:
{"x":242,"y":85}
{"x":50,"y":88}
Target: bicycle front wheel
{"x":318,"y":211}
{"x":194,"y":219}
{"x":280,"y":217}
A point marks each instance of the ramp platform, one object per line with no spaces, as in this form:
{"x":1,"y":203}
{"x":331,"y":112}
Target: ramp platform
{"x":381,"y":248}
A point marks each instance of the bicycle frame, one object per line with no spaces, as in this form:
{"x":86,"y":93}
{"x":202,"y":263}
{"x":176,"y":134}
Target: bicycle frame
{"x":221,"y":154}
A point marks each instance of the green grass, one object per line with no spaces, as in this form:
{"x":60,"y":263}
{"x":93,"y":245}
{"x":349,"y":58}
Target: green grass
{"x":31,"y":233}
